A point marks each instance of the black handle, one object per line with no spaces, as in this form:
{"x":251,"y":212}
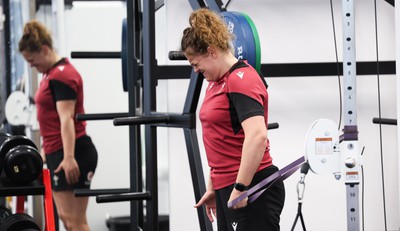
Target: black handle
{"x":101,"y":116}
{"x":95,"y":55}
{"x":176,"y":55}
{"x":97,"y":192}
{"x":384,"y":121}
{"x":123,"y":197}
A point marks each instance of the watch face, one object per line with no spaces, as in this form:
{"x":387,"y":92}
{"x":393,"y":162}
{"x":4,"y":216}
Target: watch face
{"x":240,"y":187}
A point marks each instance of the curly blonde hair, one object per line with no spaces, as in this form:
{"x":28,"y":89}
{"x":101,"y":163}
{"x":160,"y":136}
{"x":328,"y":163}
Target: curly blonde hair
{"x":35,"y":35}
{"x":207,"y":28}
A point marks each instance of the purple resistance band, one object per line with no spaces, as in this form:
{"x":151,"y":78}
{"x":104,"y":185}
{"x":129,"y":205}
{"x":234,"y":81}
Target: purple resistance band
{"x":254,"y":192}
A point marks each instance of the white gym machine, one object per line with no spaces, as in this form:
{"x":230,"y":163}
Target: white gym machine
{"x":326,"y":151}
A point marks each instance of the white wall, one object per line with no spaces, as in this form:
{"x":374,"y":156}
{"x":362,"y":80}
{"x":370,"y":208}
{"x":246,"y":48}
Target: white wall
{"x":290,"y":31}
{"x":398,"y":84}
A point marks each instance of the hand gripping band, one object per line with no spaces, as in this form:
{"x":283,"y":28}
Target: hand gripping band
{"x":254,"y":192}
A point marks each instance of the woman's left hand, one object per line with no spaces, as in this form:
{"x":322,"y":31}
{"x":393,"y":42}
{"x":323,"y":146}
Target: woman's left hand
{"x":243,"y":203}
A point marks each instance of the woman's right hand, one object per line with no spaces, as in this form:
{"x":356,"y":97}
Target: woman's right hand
{"x":71,"y":169}
{"x":208,"y":199}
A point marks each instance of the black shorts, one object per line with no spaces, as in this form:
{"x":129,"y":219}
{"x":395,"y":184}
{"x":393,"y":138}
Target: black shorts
{"x":86,"y":157}
{"x":261,"y":215}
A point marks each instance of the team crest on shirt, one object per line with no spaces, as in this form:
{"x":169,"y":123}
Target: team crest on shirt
{"x":89,"y":178}
{"x":240,"y":74}
{"x":55,"y":179}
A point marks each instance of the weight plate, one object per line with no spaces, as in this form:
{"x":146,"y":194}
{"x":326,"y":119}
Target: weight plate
{"x":20,"y":222}
{"x":23,"y":164}
{"x":3,"y":137}
{"x":256,"y":42}
{"x":18,"y":109}
{"x":4,"y":214}
{"x":124,"y":56}
{"x":243,"y":42}
{"x":14,"y":141}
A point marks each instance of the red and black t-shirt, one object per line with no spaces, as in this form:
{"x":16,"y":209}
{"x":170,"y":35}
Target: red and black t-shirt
{"x":241,"y":93}
{"x":61,"y":82}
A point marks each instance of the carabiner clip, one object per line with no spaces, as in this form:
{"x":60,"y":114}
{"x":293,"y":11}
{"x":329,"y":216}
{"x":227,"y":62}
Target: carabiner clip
{"x":300,"y":190}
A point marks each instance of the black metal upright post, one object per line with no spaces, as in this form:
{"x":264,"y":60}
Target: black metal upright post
{"x":149,"y":105}
{"x":192,"y":146}
{"x":136,"y":215}
{"x":3,"y":61}
{"x":7,"y":47}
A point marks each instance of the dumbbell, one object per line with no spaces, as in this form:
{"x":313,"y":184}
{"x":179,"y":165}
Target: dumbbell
{"x":4,"y":137}
{"x":17,"y":221}
{"x":20,"y":159}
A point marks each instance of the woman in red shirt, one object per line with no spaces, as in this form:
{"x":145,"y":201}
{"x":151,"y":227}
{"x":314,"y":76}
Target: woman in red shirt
{"x":234,"y":117}
{"x":69,"y":152}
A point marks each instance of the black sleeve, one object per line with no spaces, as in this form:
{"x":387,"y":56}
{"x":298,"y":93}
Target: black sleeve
{"x":245,"y":106}
{"x":62,"y":91}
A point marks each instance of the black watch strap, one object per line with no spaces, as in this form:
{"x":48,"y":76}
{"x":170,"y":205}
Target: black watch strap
{"x":240,"y":187}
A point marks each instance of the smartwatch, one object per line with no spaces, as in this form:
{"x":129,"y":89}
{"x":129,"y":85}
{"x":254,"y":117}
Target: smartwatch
{"x":240,"y":187}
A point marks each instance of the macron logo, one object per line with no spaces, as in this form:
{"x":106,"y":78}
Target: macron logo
{"x":61,"y":68}
{"x":234,"y":225}
{"x":240,"y":74}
